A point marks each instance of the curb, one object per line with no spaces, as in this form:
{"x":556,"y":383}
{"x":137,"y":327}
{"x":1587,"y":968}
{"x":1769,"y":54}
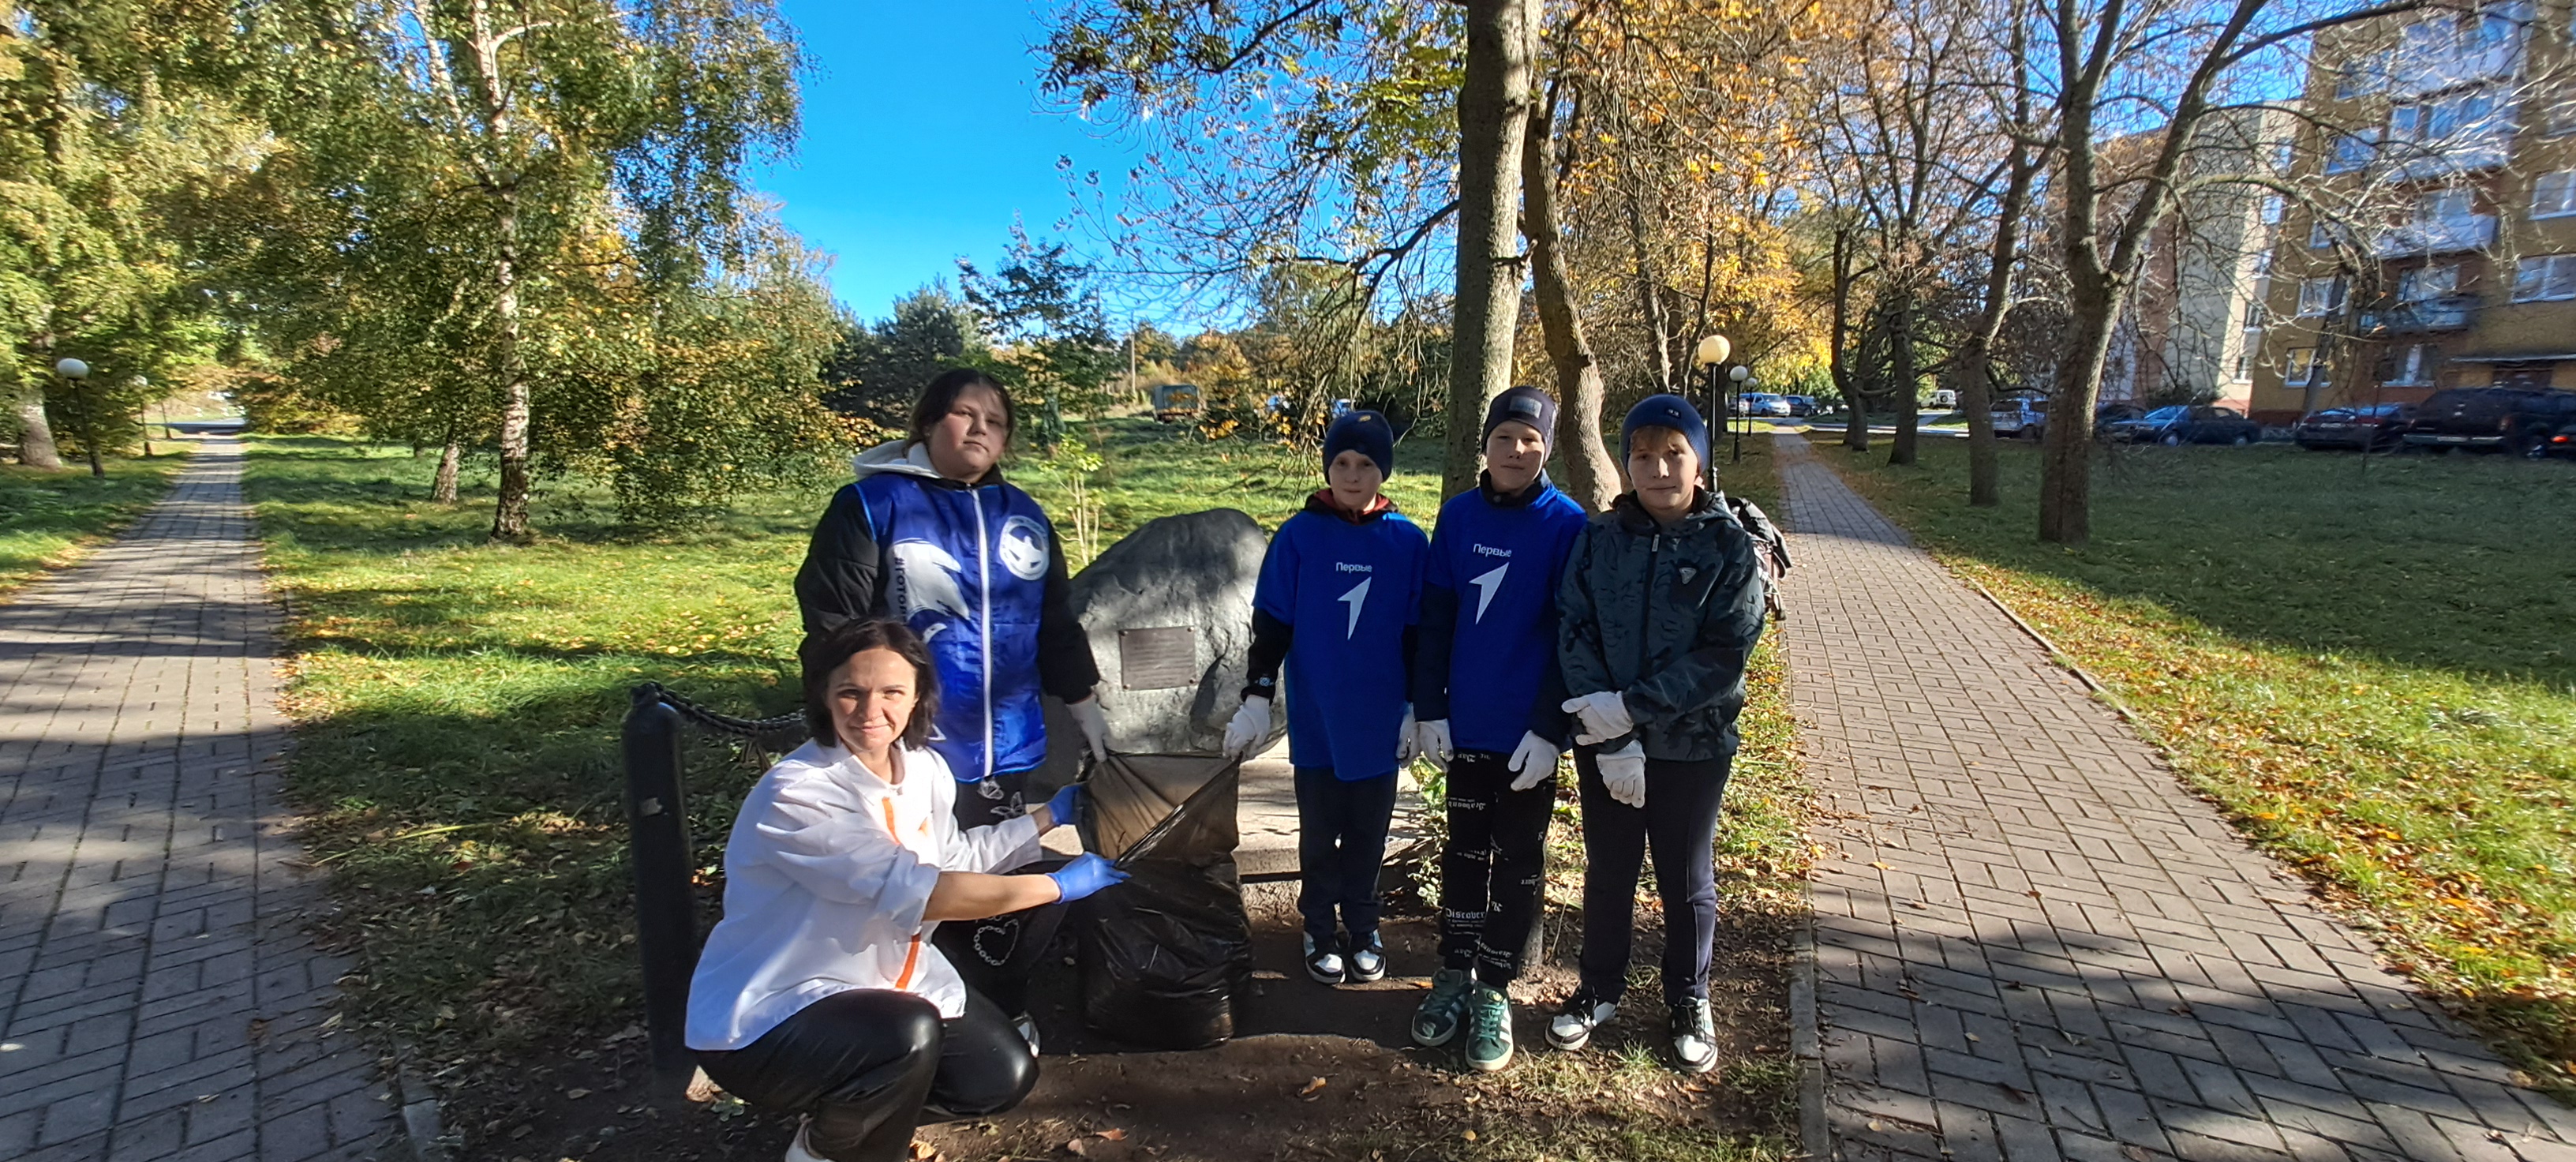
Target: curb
{"x":1806,"y":1036}
{"x":423,"y":1137}
{"x":2063,"y":660}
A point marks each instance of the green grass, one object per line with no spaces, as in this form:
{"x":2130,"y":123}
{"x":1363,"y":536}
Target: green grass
{"x":49,"y":519}
{"x":2370,"y":665}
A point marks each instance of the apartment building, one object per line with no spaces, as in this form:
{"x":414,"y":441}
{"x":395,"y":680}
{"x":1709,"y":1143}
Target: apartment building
{"x":2191,"y":328}
{"x":2439,"y":247}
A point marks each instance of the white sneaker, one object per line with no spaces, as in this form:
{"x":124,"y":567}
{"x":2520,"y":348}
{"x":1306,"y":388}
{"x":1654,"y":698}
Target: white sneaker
{"x":1694,"y":1036}
{"x":1323,"y":964}
{"x":796,"y":1151}
{"x":1572,"y":1026}
{"x":1368,"y":961}
{"x":1028,"y":1027}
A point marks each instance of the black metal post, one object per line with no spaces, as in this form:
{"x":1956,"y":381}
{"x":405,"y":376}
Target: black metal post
{"x":657,"y":829}
{"x":1747,"y":420}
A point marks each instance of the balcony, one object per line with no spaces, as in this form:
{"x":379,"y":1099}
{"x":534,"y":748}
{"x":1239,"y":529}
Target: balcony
{"x":2424,"y":161}
{"x":2449,"y":313}
{"x":2415,"y":72}
{"x":2436,"y":236}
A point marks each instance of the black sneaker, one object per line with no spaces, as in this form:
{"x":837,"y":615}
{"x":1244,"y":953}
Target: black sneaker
{"x":1694,"y":1036}
{"x":1323,"y":962}
{"x":1572,"y":1026}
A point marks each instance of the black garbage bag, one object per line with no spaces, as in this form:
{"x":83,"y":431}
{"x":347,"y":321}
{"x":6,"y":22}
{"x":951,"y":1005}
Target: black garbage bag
{"x":1164,"y":954}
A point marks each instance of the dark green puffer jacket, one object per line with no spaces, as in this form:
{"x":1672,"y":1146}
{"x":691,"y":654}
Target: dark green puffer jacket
{"x":1667,"y":617}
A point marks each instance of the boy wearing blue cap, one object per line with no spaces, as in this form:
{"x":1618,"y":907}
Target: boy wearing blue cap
{"x":1339,"y":593}
{"x":1659,"y":612}
{"x":1487,"y":690}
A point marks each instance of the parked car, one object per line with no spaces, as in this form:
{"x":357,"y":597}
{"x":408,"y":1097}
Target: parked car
{"x":1801,"y":405}
{"x":2020,"y":416}
{"x":2515,"y":419}
{"x":2560,"y":443}
{"x":1763,"y":403}
{"x":2181,"y":424}
{"x":2108,"y":414}
{"x":2375,"y":428}
{"x":1174,"y":402}
{"x":1944,"y":398}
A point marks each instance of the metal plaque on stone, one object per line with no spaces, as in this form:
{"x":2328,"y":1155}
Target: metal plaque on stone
{"x":1158,"y":659}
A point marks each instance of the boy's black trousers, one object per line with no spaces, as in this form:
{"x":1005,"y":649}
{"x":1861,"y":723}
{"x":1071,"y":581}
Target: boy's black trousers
{"x":1341,"y":840}
{"x":866,"y":1063}
{"x":997,"y":955}
{"x":1491,"y":866}
{"x":1680,"y":821}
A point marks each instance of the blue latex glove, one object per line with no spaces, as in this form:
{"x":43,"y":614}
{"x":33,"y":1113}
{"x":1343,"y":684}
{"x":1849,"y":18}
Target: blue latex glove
{"x":1087,"y":873}
{"x":1068,"y":799}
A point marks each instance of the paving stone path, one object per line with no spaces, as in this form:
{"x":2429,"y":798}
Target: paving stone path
{"x":2034,"y":944}
{"x":157,"y":999}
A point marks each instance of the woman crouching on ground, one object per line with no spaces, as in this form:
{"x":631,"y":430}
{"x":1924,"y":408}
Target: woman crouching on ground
{"x":820,"y":991}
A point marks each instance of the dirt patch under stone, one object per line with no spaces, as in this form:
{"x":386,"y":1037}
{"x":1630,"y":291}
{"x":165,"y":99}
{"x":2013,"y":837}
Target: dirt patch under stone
{"x":1256,"y":1097}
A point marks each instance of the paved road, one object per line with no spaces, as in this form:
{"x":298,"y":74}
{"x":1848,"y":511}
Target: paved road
{"x":157,"y":1000}
{"x":2035,"y":945}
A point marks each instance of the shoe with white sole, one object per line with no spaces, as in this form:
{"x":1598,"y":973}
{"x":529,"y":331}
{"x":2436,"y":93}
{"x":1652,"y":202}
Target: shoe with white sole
{"x":1028,"y":1027}
{"x":1694,"y":1036}
{"x":1323,"y":962}
{"x":1436,"y":1019}
{"x":1572,"y":1026}
{"x":1368,"y":959}
{"x":1489,"y":1029}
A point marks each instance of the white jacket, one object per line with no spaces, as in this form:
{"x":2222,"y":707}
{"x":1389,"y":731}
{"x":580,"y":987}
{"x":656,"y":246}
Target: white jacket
{"x":826,"y":875}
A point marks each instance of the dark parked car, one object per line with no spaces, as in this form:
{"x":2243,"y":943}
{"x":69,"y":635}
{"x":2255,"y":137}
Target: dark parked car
{"x":2112,"y":413}
{"x":2515,"y":419}
{"x":2560,"y":443}
{"x":1801,"y":405}
{"x":2375,"y":428}
{"x":2178,"y":424}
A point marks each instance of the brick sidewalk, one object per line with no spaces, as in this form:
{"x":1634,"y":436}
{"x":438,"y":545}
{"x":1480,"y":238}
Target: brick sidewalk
{"x":2035,"y":944}
{"x":157,"y":1000}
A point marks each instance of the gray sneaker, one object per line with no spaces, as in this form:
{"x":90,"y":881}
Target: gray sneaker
{"x":1435,"y":1021}
{"x":1489,"y":1029}
{"x":1368,"y":959}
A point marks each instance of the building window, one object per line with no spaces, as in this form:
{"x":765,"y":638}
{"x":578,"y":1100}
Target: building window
{"x":2411,"y":365}
{"x":2361,"y":76}
{"x":2319,"y":237}
{"x":2561,"y":117}
{"x":2352,"y":151}
{"x":2426,"y":283}
{"x":2272,"y":210}
{"x":2554,"y":194}
{"x":2320,"y":296}
{"x":2545,"y":277}
{"x":2248,"y":342}
{"x":2462,"y":113}
{"x":2305,"y":367}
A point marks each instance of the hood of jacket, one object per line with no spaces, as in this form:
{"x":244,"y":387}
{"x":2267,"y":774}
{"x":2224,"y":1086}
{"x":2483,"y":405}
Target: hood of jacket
{"x":908,"y":457}
{"x":1322,"y":501}
{"x":1705,"y":506}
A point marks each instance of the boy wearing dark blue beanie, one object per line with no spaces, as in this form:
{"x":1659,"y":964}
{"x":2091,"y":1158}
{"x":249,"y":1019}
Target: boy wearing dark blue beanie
{"x":1660,"y":610}
{"x":1339,"y":595}
{"x":1487,"y":690}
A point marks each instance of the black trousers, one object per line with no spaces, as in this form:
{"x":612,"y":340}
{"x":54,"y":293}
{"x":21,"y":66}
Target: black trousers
{"x":1490,"y":868}
{"x":1680,"y":820}
{"x":865,"y":1065}
{"x":998,"y":954}
{"x":1341,"y":840}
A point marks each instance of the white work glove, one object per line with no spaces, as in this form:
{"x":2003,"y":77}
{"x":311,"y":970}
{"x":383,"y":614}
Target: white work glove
{"x":1249,"y":729}
{"x":1623,"y":773}
{"x":1405,"y":743}
{"x":1431,"y":741}
{"x":1604,"y":715}
{"x":1094,"y":725}
{"x":1533,"y":761}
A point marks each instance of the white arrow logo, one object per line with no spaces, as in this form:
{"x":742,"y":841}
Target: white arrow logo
{"x":1485,"y":587}
{"x":1358,"y":596}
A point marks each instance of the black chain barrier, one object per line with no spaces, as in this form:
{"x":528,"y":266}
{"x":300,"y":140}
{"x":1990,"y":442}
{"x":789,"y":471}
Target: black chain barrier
{"x":657,"y":829}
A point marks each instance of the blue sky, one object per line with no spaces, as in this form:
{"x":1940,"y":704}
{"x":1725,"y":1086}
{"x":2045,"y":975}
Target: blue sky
{"x":923,"y":139}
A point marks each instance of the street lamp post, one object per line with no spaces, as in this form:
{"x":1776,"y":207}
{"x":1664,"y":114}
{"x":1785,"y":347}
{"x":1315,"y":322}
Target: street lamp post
{"x":1708,"y":357}
{"x":1742,"y":375}
{"x":74,"y":372}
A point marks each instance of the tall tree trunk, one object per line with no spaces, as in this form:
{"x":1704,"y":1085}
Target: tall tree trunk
{"x":2066,"y":456}
{"x":35,"y":435}
{"x":1908,"y":395}
{"x":510,"y":514}
{"x":1659,"y":331}
{"x":442,"y":489}
{"x":1856,"y":409}
{"x":1591,"y":477}
{"x":1976,"y":356}
{"x":1493,"y":102}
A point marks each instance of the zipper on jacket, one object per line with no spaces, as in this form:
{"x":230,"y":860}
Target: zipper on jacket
{"x":984,"y":571}
{"x":1646,"y":625}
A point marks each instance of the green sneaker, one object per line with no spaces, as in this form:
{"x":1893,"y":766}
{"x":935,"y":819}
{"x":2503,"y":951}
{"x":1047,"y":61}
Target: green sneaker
{"x":1436,"y":1021}
{"x":1489,"y":1029}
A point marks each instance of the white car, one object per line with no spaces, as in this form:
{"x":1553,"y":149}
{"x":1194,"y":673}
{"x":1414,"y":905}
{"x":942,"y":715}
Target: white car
{"x":2021,"y":416}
